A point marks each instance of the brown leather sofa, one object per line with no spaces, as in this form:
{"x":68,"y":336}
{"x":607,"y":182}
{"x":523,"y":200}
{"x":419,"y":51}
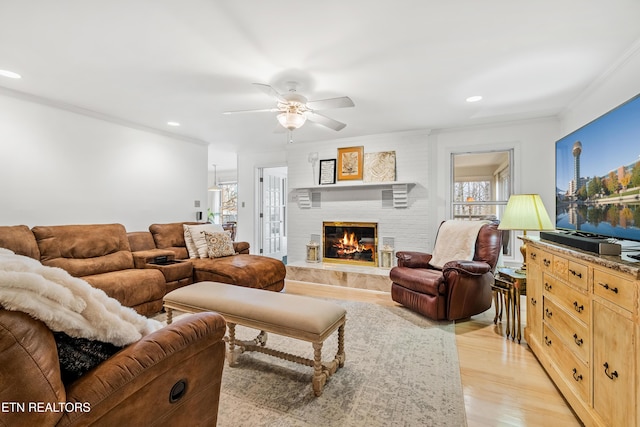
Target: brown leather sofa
{"x":125,"y":265}
{"x":169,"y":377}
{"x":99,"y":254}
{"x":242,"y":269}
{"x":458,"y":291}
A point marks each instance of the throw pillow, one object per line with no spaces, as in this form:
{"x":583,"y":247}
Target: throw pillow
{"x":188,"y":240}
{"x":219,"y":244}
{"x":198,"y":238}
{"x":79,"y":355}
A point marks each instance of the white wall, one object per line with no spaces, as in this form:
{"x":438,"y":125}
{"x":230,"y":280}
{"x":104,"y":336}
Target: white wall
{"x":618,"y":85}
{"x":408,"y":226}
{"x":60,"y":167}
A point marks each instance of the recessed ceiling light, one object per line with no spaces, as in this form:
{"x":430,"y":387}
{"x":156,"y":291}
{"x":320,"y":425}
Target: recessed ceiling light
{"x":10,"y":74}
{"x":173,"y":123}
{"x":475,"y":98}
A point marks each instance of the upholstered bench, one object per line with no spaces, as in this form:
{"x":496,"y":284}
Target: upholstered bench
{"x":294,"y":316}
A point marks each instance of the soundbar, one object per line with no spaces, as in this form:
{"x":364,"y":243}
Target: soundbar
{"x":589,"y":244}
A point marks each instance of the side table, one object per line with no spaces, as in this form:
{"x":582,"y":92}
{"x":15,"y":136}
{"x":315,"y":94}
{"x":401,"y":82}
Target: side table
{"x":510,"y":284}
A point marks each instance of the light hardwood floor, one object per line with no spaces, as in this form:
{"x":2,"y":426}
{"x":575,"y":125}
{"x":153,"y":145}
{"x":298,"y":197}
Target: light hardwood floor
{"x":502,"y":381}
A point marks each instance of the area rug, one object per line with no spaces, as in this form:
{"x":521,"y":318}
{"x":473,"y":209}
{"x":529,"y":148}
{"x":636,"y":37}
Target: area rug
{"x":401,"y":370}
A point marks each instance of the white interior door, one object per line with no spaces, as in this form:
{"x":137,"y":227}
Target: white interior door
{"x":273,"y":212}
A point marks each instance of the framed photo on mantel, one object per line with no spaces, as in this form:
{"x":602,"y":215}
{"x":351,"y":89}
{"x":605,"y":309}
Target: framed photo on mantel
{"x":327,"y":171}
{"x":350,"y":160}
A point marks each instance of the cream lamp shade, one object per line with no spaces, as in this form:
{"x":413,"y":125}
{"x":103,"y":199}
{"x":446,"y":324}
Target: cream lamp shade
{"x":525,"y":212}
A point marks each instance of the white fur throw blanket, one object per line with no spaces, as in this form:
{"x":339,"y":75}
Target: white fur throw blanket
{"x":456,"y":241}
{"x":66,"y":303}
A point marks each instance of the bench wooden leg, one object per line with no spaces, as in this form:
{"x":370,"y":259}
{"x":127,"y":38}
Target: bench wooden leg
{"x":169,"y":316}
{"x":340,"y":357}
{"x":319,"y":376}
{"x":232,"y":352}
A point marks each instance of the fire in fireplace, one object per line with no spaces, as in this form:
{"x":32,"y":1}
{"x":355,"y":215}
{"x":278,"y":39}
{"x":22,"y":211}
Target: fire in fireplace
{"x":351,"y":243}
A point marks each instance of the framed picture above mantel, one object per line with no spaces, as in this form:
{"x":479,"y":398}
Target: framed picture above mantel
{"x":350,"y":163}
{"x":380,"y":167}
{"x":327,"y":171}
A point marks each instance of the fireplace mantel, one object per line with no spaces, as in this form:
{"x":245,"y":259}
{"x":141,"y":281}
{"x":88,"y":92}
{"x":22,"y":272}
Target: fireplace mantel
{"x":400,"y":191}
{"x":345,"y":185}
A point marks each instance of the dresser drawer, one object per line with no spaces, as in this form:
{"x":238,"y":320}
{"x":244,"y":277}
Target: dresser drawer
{"x":546,"y":261}
{"x":574,"y":333}
{"x":570,"y":299}
{"x":619,"y":290}
{"x":577,"y":274}
{"x":560,"y":267}
{"x":573,"y":371}
{"x":534,"y":254}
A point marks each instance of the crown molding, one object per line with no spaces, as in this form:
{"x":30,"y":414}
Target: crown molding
{"x":95,"y":115}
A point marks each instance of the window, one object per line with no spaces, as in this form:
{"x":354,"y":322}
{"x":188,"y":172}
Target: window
{"x":229,"y":202}
{"x":481,"y":186}
{"x":224,"y":204}
{"x":472,"y":191}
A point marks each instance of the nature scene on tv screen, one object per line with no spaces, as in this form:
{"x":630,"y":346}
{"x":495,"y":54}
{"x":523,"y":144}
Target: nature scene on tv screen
{"x":598,"y":175}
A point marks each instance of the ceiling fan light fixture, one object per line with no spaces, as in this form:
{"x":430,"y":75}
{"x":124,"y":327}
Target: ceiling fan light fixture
{"x":291,"y":120}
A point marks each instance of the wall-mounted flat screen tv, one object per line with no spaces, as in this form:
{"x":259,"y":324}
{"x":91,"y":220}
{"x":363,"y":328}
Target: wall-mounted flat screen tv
{"x":598,"y":176}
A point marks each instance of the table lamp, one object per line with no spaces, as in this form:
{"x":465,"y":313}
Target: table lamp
{"x":525,"y":212}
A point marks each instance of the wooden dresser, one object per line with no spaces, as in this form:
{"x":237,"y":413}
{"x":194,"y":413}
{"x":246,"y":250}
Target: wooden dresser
{"x":583,"y":326}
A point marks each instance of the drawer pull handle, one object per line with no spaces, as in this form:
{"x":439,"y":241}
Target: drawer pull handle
{"x":533,"y":255}
{"x":612,"y":375}
{"x":547,"y":287}
{"x":575,"y":273}
{"x":547,"y":341}
{"x":546,"y":262}
{"x":578,"y":342}
{"x":548,"y":313}
{"x":576,"y":376}
{"x":577,"y":307}
{"x":534,"y":301}
{"x":609,"y":288}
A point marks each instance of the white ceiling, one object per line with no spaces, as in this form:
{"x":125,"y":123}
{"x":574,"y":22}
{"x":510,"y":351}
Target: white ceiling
{"x":407,"y":64}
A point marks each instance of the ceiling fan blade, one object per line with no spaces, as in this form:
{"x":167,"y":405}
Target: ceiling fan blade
{"x":324,"y":121}
{"x":262,"y":110}
{"x":323,"y":104}
{"x":270,"y":91}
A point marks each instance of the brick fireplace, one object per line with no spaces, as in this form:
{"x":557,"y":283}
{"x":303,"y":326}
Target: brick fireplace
{"x":350,"y":243}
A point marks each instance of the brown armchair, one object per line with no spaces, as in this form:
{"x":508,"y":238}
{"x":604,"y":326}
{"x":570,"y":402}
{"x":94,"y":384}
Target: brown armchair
{"x":459,"y":290}
{"x":169,"y":377}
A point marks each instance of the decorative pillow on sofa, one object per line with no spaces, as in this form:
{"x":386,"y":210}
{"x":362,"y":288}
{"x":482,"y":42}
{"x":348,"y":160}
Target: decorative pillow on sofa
{"x":79,"y":355}
{"x":195,"y":240}
{"x":188,"y":241}
{"x":219,"y":244}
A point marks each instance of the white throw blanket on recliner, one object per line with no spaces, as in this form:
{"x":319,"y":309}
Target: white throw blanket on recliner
{"x":456,"y":241}
{"x":66,"y":303}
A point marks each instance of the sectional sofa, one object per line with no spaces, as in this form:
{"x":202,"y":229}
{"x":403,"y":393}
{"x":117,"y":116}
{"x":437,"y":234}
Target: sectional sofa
{"x":138,"y":268}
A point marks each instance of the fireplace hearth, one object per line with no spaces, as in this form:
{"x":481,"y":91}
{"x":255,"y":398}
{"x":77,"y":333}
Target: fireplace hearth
{"x":350,"y":243}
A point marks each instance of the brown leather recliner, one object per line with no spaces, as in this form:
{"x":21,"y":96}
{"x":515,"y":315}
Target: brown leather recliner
{"x":169,"y":377}
{"x":458,"y":291}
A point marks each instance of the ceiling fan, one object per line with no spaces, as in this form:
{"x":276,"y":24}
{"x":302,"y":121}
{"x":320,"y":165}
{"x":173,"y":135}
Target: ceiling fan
{"x":294,"y":109}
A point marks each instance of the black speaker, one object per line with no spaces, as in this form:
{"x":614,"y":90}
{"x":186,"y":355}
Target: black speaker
{"x":596,"y":245}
